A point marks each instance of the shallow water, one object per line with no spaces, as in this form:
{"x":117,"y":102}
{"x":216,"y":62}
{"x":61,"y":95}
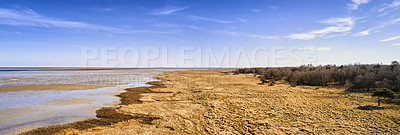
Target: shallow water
{"x":24,"y":110}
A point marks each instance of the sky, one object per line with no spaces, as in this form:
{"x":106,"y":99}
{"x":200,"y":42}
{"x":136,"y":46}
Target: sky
{"x":206,"y":33}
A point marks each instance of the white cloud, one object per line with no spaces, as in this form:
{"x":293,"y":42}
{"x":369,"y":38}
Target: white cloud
{"x":194,"y":27}
{"x":331,"y":29}
{"x":363,"y":33}
{"x":102,"y":9}
{"x":356,"y":3}
{"x":339,"y":21}
{"x":261,"y":36}
{"x":390,"y":39}
{"x":208,"y":19}
{"x":396,"y":44}
{"x":317,"y":48}
{"x":273,"y":7}
{"x":231,"y":33}
{"x":242,"y":20}
{"x":395,"y":3}
{"x":336,"y":35}
{"x":28,"y":17}
{"x":256,"y":10}
{"x":338,"y":25}
{"x":169,"y":11}
{"x":303,"y":36}
{"x":324,"y":48}
{"x":388,"y":23}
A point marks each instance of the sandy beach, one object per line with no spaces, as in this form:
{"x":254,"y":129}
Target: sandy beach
{"x":220,"y":102}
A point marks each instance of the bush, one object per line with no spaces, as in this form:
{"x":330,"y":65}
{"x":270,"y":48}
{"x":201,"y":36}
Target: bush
{"x":272,"y":83}
{"x":383,"y":93}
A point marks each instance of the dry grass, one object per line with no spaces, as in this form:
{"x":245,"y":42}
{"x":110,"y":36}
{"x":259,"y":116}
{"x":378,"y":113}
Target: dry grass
{"x":218,"y":102}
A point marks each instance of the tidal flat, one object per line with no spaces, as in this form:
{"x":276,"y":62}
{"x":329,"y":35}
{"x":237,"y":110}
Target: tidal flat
{"x":33,"y":98}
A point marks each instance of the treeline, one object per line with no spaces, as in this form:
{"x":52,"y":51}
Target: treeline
{"x":360,"y":77}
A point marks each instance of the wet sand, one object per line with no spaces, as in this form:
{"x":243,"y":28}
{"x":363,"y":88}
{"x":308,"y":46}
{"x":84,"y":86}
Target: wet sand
{"x":106,"y":116}
{"x":220,"y":102}
{"x":49,"y":107}
{"x":37,"y":98}
{"x":50,"y":87}
{"x":69,"y":101}
{"x":60,"y":86}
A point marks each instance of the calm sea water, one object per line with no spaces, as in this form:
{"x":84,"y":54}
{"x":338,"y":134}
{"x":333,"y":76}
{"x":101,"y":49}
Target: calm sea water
{"x":24,"y":110}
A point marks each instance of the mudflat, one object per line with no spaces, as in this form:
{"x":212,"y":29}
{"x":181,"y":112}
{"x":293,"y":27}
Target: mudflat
{"x":57,"y":87}
{"x":220,"y":102}
{"x":49,"y":87}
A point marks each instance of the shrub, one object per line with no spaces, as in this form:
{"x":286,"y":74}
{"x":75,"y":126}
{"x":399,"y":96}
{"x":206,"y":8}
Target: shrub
{"x":383,"y":93}
{"x":272,"y":83}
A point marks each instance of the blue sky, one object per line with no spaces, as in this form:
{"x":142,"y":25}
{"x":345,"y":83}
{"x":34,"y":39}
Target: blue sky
{"x":54,"y":33}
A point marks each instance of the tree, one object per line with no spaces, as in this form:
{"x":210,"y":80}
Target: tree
{"x":395,"y":63}
{"x":382,"y":94}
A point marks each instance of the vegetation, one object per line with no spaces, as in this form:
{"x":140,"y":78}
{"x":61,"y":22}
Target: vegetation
{"x":356,"y":77}
{"x":383,"y":93}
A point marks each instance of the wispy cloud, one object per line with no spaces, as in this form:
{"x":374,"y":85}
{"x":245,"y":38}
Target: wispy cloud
{"x":258,"y":36}
{"x":194,"y":27}
{"x":356,"y":3}
{"x":242,"y":20}
{"x":395,"y":3}
{"x":208,"y":19}
{"x":317,"y":48}
{"x":28,"y":17}
{"x":396,"y":44}
{"x":337,"y":25}
{"x":363,"y":33}
{"x":389,"y":22}
{"x":256,"y":10}
{"x":336,"y":35}
{"x":102,"y":9}
{"x":273,"y":7}
{"x":378,"y":28}
{"x":390,"y":39}
{"x":339,"y":21}
{"x":169,"y":11}
{"x":302,"y":36}
{"x":231,"y":33}
{"x":261,"y":36}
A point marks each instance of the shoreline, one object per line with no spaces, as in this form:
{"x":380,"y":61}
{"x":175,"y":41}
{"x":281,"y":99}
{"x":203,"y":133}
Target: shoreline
{"x":106,"y":116}
{"x":51,"y":103}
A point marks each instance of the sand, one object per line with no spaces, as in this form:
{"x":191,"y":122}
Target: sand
{"x":220,"y":102}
